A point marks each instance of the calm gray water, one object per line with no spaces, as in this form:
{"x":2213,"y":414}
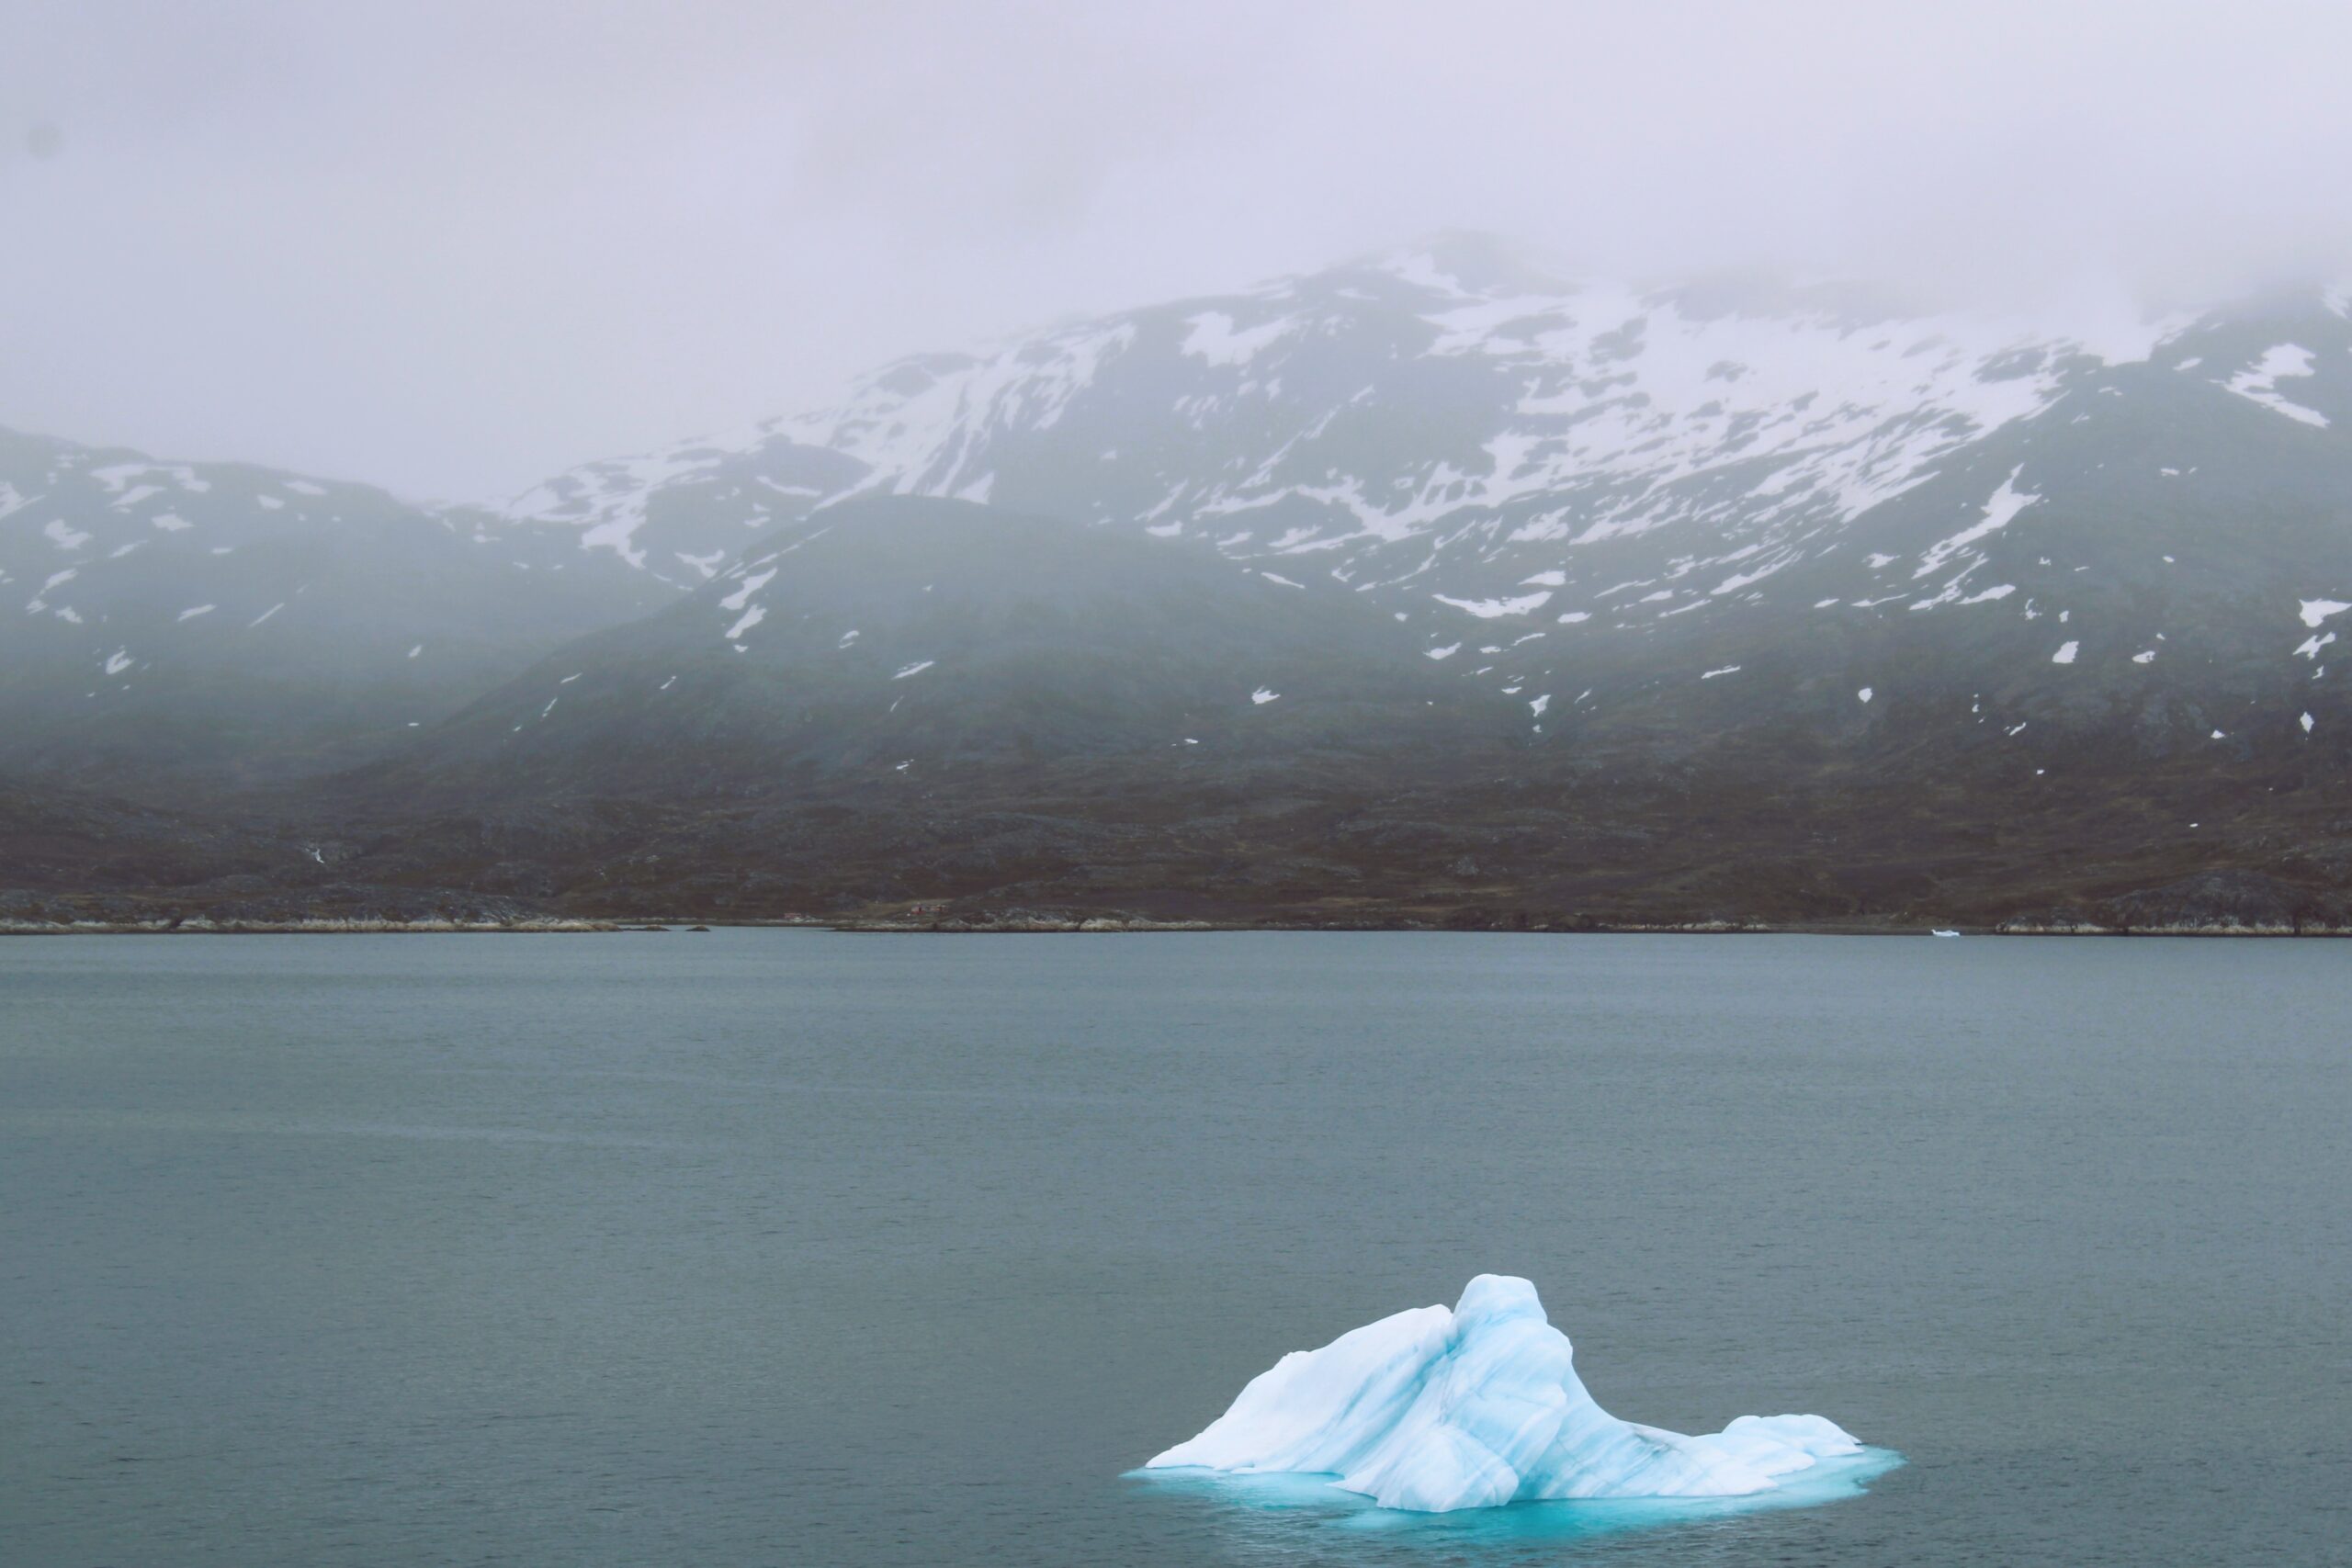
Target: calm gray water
{"x":800,"y":1248}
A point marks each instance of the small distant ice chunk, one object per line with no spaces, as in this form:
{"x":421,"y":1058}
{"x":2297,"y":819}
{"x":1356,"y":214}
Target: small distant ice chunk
{"x":1263,"y":695}
{"x":416,"y":651}
{"x":1575,"y":616}
{"x":1280,"y":579}
{"x":2145,"y":656}
{"x":195,"y":610}
{"x":915,"y":668}
{"x":2306,"y":722}
{"x":2065,"y":654}
{"x":1538,"y":705}
{"x":1448,"y":652}
{"x":1727,"y":670}
{"x":1864,"y":694}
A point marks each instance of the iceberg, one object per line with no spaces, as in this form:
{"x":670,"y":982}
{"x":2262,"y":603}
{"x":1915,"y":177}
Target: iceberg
{"x":1432,"y":1411}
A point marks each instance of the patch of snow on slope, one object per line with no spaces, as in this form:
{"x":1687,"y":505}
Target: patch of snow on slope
{"x":1214,"y":337}
{"x":2005,"y":504}
{"x":1264,"y":694}
{"x":191,"y":613}
{"x":2260,"y":384}
{"x":915,"y":668}
{"x":2314,"y":610}
{"x":2065,"y":654}
{"x":1489,"y":609}
{"x":751,"y":585}
{"x":920,"y":424}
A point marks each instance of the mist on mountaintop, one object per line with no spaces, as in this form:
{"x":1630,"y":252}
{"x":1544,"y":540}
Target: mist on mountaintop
{"x":452,"y":249}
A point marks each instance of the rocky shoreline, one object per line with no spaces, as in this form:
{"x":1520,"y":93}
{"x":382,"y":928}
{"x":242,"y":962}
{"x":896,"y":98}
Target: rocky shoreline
{"x":201,"y":926}
{"x":1040,"y":925}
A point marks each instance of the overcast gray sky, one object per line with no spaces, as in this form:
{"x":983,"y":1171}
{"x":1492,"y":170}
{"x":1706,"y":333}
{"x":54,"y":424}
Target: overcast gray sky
{"x":451,"y":248}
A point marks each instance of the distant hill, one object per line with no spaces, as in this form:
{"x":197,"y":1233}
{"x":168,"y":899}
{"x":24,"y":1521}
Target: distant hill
{"x":1427,"y":587}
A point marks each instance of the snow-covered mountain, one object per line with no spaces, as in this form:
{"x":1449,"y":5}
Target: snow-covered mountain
{"x":1558,"y":483}
{"x":1787,"y":564}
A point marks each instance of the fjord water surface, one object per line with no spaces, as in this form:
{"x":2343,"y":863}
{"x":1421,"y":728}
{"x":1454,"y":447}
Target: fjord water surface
{"x":801,"y":1249}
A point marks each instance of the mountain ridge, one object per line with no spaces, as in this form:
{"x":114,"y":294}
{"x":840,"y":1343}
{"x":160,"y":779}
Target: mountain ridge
{"x":1885,"y":610}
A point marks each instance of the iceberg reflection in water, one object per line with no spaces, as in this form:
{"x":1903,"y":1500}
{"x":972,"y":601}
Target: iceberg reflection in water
{"x":1267,"y":1509}
{"x":1435,"y":1412}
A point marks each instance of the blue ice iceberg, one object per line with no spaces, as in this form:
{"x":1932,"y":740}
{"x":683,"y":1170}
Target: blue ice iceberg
{"x":1431,"y":1411}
